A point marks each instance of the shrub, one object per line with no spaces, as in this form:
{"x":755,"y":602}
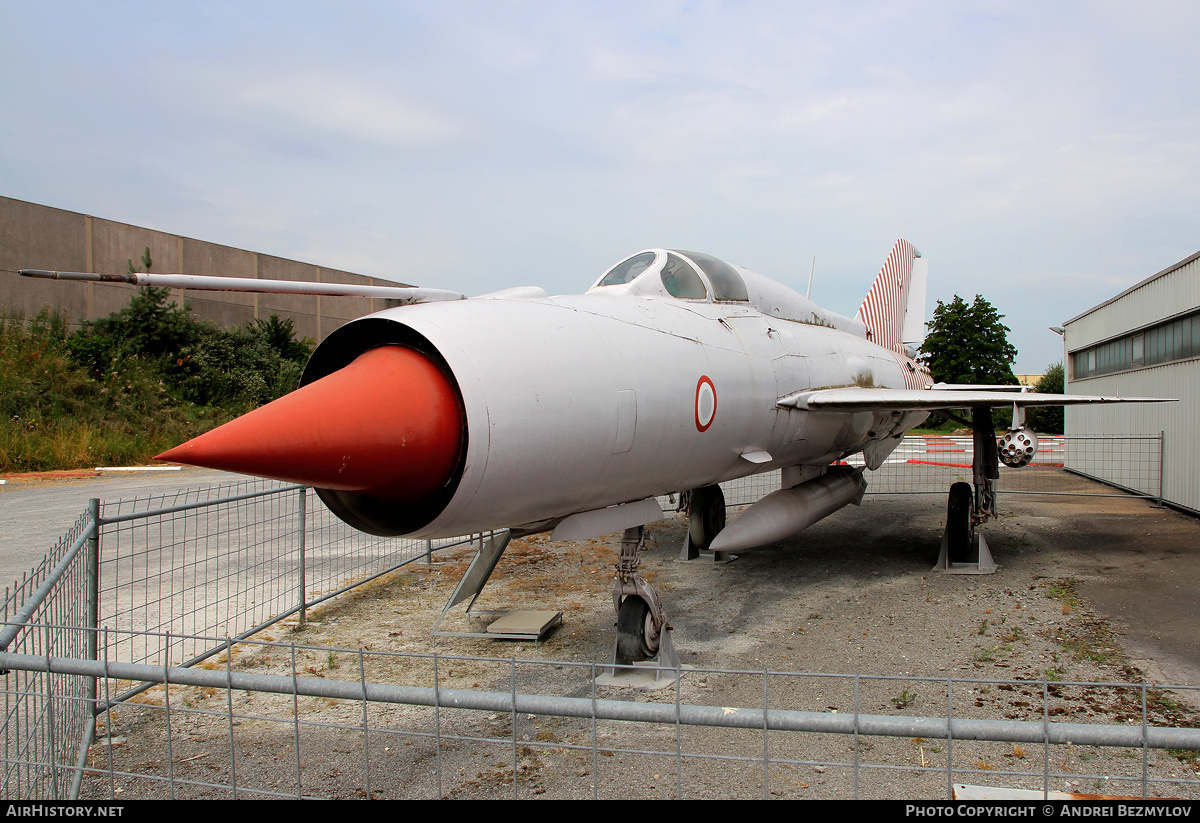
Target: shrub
{"x":128,"y":386}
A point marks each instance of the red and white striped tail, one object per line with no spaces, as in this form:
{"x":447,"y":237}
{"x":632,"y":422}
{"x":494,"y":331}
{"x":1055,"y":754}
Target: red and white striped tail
{"x":894,"y":308}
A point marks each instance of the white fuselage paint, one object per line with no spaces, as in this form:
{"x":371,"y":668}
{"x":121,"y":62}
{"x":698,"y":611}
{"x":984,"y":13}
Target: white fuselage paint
{"x":579,"y":402}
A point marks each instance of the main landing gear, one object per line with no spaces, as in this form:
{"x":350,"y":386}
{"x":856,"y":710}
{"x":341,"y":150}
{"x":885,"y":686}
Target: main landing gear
{"x":706,"y":515}
{"x":705,"y":508}
{"x":964,"y":551}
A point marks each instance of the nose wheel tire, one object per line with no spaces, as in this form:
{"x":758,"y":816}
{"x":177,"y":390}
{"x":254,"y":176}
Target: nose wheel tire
{"x":960,"y":531}
{"x":636,"y":637}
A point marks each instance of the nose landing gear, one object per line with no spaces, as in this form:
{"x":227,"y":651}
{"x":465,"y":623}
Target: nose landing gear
{"x":642,"y":630}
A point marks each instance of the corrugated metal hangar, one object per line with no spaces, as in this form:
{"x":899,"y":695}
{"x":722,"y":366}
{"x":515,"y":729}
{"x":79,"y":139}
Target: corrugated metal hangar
{"x":1144,"y":342}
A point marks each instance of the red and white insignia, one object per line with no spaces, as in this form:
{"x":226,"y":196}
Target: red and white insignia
{"x":706,"y":403}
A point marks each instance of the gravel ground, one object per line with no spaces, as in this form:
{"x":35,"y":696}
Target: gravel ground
{"x":1088,"y":590}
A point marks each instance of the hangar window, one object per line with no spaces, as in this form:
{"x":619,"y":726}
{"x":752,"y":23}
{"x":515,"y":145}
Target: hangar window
{"x":1176,"y":340}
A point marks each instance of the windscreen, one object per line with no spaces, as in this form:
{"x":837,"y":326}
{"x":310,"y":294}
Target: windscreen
{"x":625,"y":271}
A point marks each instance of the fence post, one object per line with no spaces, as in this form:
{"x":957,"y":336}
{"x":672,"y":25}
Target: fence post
{"x":303,"y":532}
{"x":91,"y":628}
{"x":92,"y":576}
{"x":1161,"y":464}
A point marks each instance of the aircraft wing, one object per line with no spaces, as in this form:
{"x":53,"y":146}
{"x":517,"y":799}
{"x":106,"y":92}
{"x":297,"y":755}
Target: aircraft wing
{"x":859,"y":399}
{"x":404,"y":294}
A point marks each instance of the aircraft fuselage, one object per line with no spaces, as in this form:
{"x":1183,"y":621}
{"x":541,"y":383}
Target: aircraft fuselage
{"x":581,"y":402}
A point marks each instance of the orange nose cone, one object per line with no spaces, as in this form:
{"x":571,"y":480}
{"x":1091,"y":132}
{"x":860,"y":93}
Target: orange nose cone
{"x":388,"y":425}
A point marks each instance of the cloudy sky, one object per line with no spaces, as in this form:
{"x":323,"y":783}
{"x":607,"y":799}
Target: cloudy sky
{"x":1043,"y":154}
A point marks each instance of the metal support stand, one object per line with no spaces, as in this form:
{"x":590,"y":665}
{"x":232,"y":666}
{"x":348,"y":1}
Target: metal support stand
{"x":984,"y":565}
{"x":690,"y":552}
{"x":664,"y":670}
{"x":511,"y":625}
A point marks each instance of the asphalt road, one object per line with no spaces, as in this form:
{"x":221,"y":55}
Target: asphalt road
{"x":35,"y":511}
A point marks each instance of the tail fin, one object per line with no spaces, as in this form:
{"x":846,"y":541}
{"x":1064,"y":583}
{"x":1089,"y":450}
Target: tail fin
{"x":894,"y":308}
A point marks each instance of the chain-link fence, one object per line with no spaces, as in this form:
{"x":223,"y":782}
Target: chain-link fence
{"x":155,"y":595}
{"x":48,"y":717}
{"x":202,"y":567}
{"x":227,"y":562}
{"x":1064,"y":465}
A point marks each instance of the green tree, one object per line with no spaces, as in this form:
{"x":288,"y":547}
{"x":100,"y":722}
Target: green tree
{"x":280,"y":334}
{"x":1048,"y":419}
{"x":148,"y":328}
{"x":234,"y":368}
{"x":147,"y":262}
{"x":969,"y":344}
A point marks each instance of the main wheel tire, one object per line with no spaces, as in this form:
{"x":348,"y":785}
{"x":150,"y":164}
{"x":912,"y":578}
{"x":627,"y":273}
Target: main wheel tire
{"x":635,"y":630}
{"x":960,"y":533}
{"x":706,"y":515}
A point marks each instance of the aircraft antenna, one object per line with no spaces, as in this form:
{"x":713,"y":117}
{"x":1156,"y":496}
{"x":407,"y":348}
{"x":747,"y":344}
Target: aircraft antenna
{"x":808,"y":293}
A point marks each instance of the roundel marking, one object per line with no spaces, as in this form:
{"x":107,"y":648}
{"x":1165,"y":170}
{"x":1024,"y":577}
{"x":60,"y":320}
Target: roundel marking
{"x":706,"y":403}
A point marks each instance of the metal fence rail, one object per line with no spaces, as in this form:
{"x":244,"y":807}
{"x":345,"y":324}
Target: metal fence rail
{"x":306,"y":736}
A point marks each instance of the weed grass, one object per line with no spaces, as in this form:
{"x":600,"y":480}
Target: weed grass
{"x":57,"y":413}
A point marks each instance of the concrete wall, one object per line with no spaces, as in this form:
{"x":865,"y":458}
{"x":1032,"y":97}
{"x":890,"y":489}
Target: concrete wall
{"x":40,"y":237}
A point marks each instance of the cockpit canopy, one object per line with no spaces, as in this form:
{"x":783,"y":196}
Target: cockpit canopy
{"x":689,"y":275}
{"x":686,"y":275}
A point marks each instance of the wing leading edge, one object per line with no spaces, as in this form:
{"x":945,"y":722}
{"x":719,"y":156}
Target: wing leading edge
{"x":402,"y":294}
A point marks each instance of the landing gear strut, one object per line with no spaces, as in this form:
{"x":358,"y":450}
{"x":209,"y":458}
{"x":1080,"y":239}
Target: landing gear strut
{"x":642,"y":630}
{"x":640,"y":618}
